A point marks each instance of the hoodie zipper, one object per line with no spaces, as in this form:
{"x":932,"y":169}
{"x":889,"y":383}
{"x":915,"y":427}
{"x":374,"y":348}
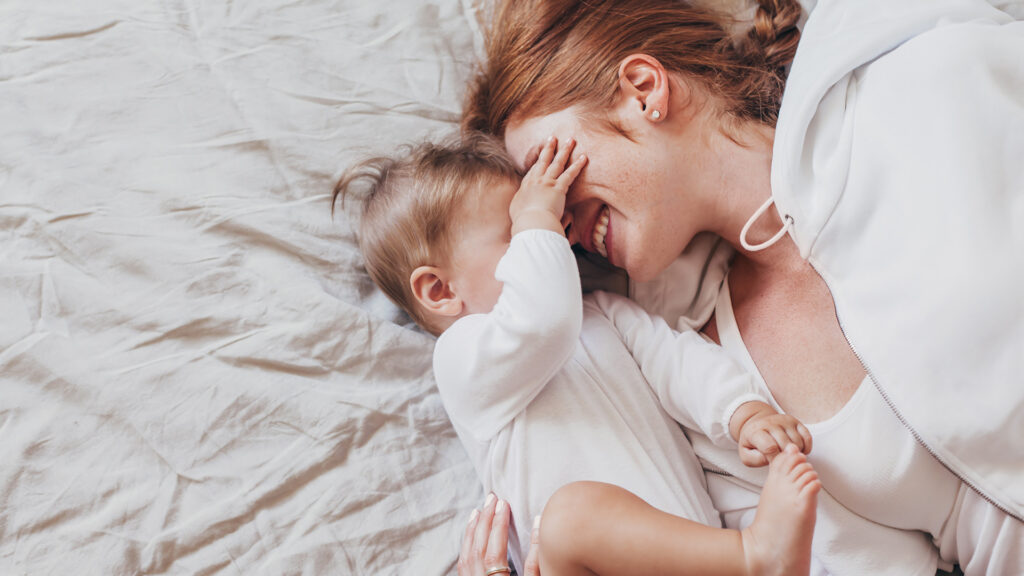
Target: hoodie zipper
{"x":709,"y":467}
{"x":895,"y":411}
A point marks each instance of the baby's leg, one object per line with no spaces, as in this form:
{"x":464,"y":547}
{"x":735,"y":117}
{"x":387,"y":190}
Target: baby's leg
{"x":593,"y":528}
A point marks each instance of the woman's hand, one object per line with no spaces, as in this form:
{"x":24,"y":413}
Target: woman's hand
{"x":540,"y":200}
{"x":485,"y":543}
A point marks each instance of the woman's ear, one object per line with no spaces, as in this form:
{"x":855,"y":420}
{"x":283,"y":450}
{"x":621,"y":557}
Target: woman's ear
{"x":434,"y":293}
{"x":645,"y":87}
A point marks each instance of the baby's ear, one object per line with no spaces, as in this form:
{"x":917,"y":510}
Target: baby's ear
{"x":434,"y":293}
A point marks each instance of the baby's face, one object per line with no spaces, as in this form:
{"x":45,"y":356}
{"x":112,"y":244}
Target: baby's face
{"x":480,"y":238}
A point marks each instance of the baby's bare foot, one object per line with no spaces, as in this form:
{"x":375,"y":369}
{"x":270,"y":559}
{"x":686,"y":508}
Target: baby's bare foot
{"x":778,"y":542}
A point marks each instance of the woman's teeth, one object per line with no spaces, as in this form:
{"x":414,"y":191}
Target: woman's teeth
{"x":600,"y":229}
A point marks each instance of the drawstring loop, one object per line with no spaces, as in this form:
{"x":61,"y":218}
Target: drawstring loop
{"x":786,"y":225}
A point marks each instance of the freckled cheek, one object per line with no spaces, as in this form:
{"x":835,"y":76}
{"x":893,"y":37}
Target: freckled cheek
{"x":627,"y":191}
{"x":624,"y":178}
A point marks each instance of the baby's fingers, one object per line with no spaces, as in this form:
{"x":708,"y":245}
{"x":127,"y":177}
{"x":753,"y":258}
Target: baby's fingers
{"x":570,"y":173}
{"x":557,"y":165}
{"x":547,"y":153}
{"x":766,"y":443}
{"x":790,"y":436}
{"x":752,"y":458}
{"x":806,"y":435}
{"x":788,"y":430}
{"x":781,"y":434}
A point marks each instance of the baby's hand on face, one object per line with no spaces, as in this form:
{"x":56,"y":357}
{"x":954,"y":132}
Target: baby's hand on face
{"x":540,"y":201}
{"x":765,"y":433}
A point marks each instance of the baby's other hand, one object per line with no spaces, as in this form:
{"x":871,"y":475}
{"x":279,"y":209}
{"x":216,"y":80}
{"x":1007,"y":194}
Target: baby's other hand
{"x":540,"y":200}
{"x":766,"y":433}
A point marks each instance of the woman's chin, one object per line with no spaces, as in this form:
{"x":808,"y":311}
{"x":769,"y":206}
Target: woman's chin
{"x":645,"y":269}
{"x":641,"y":273}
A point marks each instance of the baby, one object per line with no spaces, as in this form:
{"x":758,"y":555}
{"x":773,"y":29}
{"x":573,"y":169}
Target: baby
{"x":547,"y":387}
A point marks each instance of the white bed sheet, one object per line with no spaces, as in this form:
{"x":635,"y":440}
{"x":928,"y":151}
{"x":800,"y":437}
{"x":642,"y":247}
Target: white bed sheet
{"x":196,"y":374}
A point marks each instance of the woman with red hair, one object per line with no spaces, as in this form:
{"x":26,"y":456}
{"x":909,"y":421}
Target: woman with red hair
{"x":867,"y":173}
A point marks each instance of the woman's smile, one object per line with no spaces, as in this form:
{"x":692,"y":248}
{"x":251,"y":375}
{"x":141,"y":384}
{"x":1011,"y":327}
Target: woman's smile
{"x":593,"y":230}
{"x":624,"y":203}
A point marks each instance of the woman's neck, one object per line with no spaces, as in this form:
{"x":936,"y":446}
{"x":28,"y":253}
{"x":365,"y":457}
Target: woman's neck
{"x":739,"y":168}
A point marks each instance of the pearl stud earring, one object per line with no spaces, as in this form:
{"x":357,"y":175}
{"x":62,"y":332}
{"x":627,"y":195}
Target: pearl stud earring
{"x":656,"y":114}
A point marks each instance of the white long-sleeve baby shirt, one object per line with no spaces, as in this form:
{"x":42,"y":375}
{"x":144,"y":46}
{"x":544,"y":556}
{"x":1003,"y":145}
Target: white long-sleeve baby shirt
{"x":544,"y":390}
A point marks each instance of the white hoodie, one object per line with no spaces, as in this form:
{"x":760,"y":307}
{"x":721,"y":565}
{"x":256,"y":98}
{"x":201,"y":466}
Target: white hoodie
{"x":899,"y":156}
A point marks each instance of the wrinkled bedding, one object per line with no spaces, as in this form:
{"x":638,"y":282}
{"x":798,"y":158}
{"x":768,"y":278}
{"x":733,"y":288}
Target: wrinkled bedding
{"x":196,"y":374}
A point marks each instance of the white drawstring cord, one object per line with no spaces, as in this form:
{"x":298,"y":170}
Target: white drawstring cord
{"x":786,"y":225}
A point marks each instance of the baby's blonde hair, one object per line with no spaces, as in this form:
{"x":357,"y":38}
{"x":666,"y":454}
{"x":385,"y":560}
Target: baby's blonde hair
{"x":411,"y":205}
